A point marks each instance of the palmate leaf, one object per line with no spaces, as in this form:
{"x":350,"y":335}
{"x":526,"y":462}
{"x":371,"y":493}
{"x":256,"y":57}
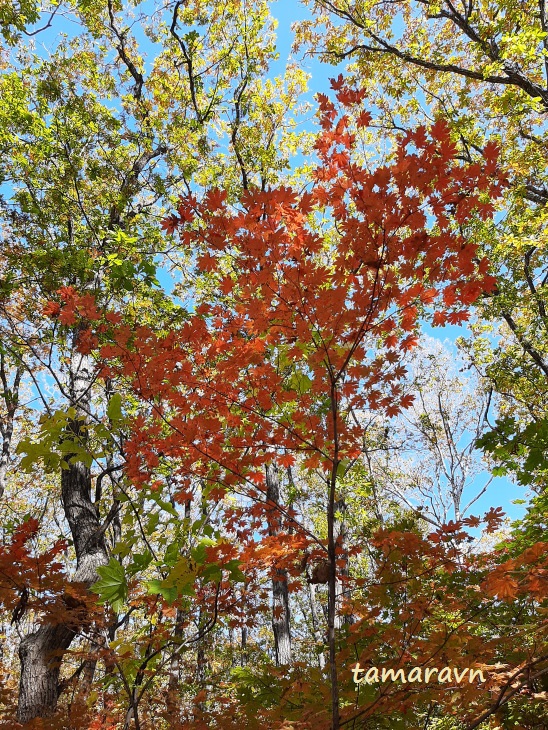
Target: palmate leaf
{"x":114,"y":407}
{"x":158,"y":587}
{"x":179,"y":581}
{"x":112,"y":585}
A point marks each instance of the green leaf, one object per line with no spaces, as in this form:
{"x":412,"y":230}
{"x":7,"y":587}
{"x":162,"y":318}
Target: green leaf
{"x":213,"y":572}
{"x":171,"y":554}
{"x":199,"y":552}
{"x":499,"y":471}
{"x":342,"y":467}
{"x":157,"y":587}
{"x":112,"y":585}
{"x":114,"y":408}
{"x":152,"y":523}
{"x":234,"y":572}
{"x":179,"y":582}
{"x":141,"y":561}
{"x":167,"y":507}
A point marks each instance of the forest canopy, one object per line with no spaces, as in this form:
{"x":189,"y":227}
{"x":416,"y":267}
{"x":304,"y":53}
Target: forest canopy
{"x":273,"y":365}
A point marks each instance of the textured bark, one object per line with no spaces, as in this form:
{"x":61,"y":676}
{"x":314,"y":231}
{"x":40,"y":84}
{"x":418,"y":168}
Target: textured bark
{"x":243,"y":636}
{"x":318,"y":638}
{"x":202,"y":644}
{"x":280,"y":596}
{"x":87,"y":673}
{"x":10,"y":395}
{"x":341,"y":536}
{"x":202,"y":664}
{"x":332,"y":613}
{"x":41,"y":652}
{"x":173,"y":704}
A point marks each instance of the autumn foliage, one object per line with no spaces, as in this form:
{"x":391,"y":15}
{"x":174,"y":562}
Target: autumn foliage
{"x":243,"y":454}
{"x":317,"y":295}
{"x":313,"y":299}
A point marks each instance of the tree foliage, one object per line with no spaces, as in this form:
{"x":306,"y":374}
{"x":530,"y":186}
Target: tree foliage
{"x":233,"y":477}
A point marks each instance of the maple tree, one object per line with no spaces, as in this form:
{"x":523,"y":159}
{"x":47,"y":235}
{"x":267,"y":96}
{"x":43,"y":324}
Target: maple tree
{"x":93,"y":146}
{"x":481,"y":67}
{"x":307,"y":325}
{"x":196,"y":528}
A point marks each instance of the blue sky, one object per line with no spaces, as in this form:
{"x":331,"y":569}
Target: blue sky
{"x":502,"y":491}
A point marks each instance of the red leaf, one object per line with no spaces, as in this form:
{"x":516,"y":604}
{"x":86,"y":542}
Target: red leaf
{"x":170,"y":223}
{"x":51,"y":310}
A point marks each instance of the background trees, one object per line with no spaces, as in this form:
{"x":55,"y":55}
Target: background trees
{"x":94,"y":146}
{"x":481,"y":67}
{"x":206,"y":516}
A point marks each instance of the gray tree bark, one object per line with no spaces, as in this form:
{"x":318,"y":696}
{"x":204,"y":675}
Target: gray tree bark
{"x":10,"y":396}
{"x":281,"y":618}
{"x":341,"y":536}
{"x":318,"y":636}
{"x":42,"y":651}
{"x":40,"y":655}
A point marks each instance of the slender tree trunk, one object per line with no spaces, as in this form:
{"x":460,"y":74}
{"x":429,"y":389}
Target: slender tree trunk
{"x":332,"y":559}
{"x":280,"y":595}
{"x":173,"y":705}
{"x":202,"y":645}
{"x":243,"y":633}
{"x":243,"y":645}
{"x":173,"y":702}
{"x":85,"y":683}
{"x":10,"y":396}
{"x":341,"y":538}
{"x":202,"y":663}
{"x":318,"y":638}
{"x":88,"y":674}
{"x":232,"y":650}
{"x":41,"y":652}
{"x":332,"y":621}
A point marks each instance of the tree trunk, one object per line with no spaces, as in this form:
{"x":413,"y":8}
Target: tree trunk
{"x":280,"y":594}
{"x":173,"y":702}
{"x":173,"y":699}
{"x":318,"y":637}
{"x":341,"y":537}
{"x":10,"y":396}
{"x":243,"y":641}
{"x":41,"y":652}
{"x":332,"y":614}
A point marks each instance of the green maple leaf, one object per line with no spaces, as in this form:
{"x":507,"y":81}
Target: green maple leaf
{"x":112,"y":585}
